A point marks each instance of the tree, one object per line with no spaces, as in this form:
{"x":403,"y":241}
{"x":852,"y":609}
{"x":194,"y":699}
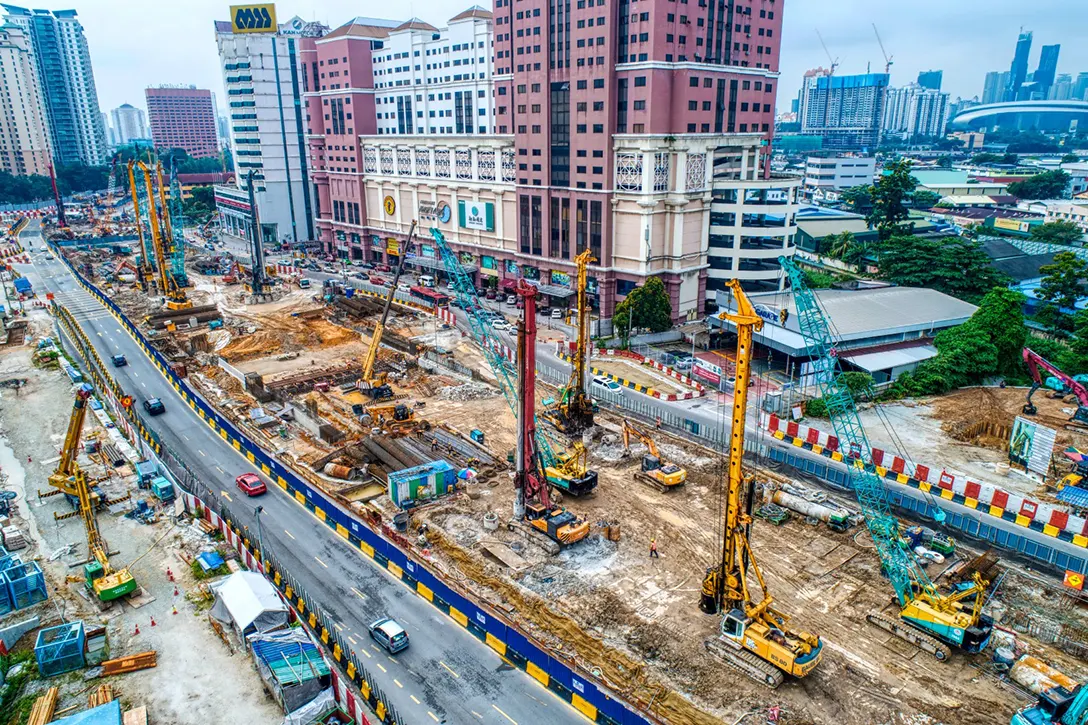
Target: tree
{"x":818,"y":280}
{"x":645,"y":307}
{"x":1062,"y":285}
{"x":858,"y":383}
{"x":1000,"y":315}
{"x":953,"y":265}
{"x":1059,"y":232}
{"x":858,"y":197}
{"x":1047,"y":185}
{"x":1070,"y":159}
{"x":890,"y":194}
{"x":945,"y":162}
{"x":925,"y":199}
{"x":835,"y":245}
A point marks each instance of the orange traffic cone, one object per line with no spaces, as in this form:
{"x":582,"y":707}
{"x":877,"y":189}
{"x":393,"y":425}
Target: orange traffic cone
{"x":153,"y":622}
{"x":169,"y":574}
{"x":137,"y":629}
{"x":175,"y":590}
{"x":175,"y":609}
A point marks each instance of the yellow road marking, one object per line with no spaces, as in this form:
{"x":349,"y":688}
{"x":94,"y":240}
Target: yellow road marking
{"x":379,"y":664}
{"x":367,"y":654}
{"x":433,"y":716}
{"x":398,"y":683}
{"x":505,"y":715}
{"x":322,"y":563}
{"x":226,"y":495}
{"x":415,"y":700}
{"x":361,"y":595}
{"x":338,"y":627}
{"x":289,"y":533}
{"x":375,"y":648}
{"x":449,"y":669}
{"x":352,"y":640}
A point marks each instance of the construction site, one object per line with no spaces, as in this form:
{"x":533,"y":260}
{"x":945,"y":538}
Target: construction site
{"x":704,"y":581}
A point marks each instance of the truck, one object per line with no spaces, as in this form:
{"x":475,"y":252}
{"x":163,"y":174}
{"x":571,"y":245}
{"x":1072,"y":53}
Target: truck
{"x":303,"y":282}
{"x":23,"y":287}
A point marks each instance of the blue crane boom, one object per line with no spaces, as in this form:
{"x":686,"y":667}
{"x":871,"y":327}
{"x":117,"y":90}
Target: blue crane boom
{"x":925,"y":607}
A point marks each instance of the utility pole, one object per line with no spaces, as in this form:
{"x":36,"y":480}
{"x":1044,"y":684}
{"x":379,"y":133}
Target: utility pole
{"x":62,"y":221}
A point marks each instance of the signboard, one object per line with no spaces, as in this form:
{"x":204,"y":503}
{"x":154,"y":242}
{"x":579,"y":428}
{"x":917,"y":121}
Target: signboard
{"x":426,"y":251}
{"x":1031,"y":445}
{"x":390,"y":205}
{"x":392,"y":246}
{"x":253,"y":18}
{"x":530,"y":272}
{"x":488,"y":266}
{"x":707,"y":371}
{"x":468,"y":258}
{"x":375,"y":241}
{"x":561,"y":278}
{"x":476,"y":215}
{"x":1013,"y":225}
{"x":512,"y":267}
{"x":435,"y":211}
{"x":1074,"y":580}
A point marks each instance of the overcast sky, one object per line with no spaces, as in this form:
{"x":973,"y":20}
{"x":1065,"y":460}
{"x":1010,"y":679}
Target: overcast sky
{"x":137,"y":43}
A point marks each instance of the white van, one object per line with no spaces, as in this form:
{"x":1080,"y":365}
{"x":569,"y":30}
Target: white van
{"x":426,"y":280}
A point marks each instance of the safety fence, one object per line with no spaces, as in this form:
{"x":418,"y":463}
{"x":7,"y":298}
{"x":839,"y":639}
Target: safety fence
{"x":699,"y":391}
{"x":560,"y":675}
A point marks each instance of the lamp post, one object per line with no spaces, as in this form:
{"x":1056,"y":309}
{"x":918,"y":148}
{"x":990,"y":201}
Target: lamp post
{"x":260,"y":546}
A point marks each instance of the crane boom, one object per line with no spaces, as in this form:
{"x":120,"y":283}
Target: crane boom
{"x":377,"y":388}
{"x":145,"y":253}
{"x":834,"y":61}
{"x":1034,"y":361}
{"x":887,"y":58}
{"x":574,"y":410}
{"x":63,"y":477}
{"x":922,"y":605}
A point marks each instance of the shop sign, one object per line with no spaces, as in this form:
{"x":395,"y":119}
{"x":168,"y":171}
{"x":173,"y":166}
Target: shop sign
{"x":435,"y":211}
{"x":708,"y":371}
{"x":487,"y":262}
{"x":392,"y":246}
{"x":476,"y":215}
{"x":591,"y":285}
{"x":561,"y":278}
{"x":530,"y":272}
{"x":390,"y":205}
{"x":375,"y":241}
{"x":512,"y":267}
{"x":341,"y":236}
{"x":427,"y":251}
{"x":468,"y":258}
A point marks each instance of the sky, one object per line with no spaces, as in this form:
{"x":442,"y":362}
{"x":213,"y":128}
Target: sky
{"x":136,"y":43}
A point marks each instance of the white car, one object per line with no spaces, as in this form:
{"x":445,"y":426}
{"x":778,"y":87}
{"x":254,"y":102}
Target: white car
{"x":511,"y":300}
{"x":606,"y":383}
{"x":557,"y":313}
{"x":500,"y":324}
{"x":404,"y":286}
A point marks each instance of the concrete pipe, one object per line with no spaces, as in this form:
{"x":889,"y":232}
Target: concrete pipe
{"x":806,"y":508}
{"x":335,"y":470}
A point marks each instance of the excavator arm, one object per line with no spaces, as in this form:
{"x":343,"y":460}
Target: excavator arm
{"x":367,"y":382}
{"x":629,"y":430}
{"x":1034,"y":361}
{"x":63,"y":477}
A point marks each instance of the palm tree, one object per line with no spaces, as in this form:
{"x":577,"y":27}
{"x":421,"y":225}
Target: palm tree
{"x":839,"y":244}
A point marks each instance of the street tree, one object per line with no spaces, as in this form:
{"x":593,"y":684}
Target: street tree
{"x":1063,"y":283}
{"x":1059,"y":232}
{"x":924,"y":199}
{"x":1000,"y":315}
{"x":1070,"y":159}
{"x":1046,"y":185}
{"x":859,"y":198}
{"x":953,"y":265}
{"x":646,"y":307}
{"x":890,"y":194}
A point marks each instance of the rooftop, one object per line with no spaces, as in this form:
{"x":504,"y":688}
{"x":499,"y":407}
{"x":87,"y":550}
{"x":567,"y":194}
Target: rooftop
{"x":415,"y":24}
{"x":473,"y":12}
{"x":363,"y":27}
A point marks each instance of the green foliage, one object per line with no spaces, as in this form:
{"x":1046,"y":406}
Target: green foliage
{"x":1062,"y":285}
{"x":1059,"y":232}
{"x":645,"y":307}
{"x":953,"y":265}
{"x":818,"y":280}
{"x":924,"y":199}
{"x":1073,"y":359}
{"x":1070,"y":159}
{"x":858,"y":197}
{"x":1001,"y":316}
{"x":989,"y":158}
{"x":945,"y":162}
{"x":70,"y":179}
{"x":890,"y":194}
{"x":200,"y":204}
{"x":1047,"y":185}
{"x":858,"y":383}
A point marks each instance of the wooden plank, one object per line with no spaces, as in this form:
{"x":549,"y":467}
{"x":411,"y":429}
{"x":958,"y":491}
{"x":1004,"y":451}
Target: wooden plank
{"x":100,"y":696}
{"x":136,"y":716}
{"x":121,"y":665}
{"x":44,"y":707}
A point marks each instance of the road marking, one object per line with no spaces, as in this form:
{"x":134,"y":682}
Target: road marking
{"x":375,"y":648}
{"x":352,"y":640}
{"x":505,"y":715}
{"x":143,"y":384}
{"x":289,"y":534}
{"x":226,"y":495}
{"x":449,"y":669}
{"x":361,"y":595}
{"x":477,"y":714}
{"x":433,"y":716}
{"x":322,"y":563}
{"x":379,"y":664}
{"x":415,"y":700}
{"x":220,"y":470}
{"x":398,"y":683}
{"x":369,"y":656}
{"x":203,"y":453}
{"x":338,"y":627}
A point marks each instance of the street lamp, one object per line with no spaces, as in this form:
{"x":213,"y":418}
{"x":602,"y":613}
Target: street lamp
{"x":260,"y":546}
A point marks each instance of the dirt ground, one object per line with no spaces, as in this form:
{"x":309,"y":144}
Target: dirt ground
{"x":931,"y":431}
{"x":641,"y":374}
{"x":197,"y":680}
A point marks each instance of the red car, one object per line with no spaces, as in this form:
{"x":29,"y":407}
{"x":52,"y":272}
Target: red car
{"x":250,"y":484}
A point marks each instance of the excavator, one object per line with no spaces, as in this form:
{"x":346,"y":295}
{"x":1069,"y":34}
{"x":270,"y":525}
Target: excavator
{"x":932,"y":618}
{"x":531,"y":479}
{"x":656,"y":471}
{"x":1034,"y":361}
{"x":1056,"y":706}
{"x":100,"y":577}
{"x":755,"y":637}
{"x":375,"y":385}
{"x":574,"y":410}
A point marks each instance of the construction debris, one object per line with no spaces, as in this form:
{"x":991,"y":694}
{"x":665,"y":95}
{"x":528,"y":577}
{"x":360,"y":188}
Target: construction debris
{"x":44,"y":707}
{"x":132,"y":663}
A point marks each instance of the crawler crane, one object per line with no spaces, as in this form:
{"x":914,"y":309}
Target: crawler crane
{"x":168,"y":286}
{"x":930,"y":617}
{"x":375,"y":385}
{"x":100,"y":577}
{"x":573,"y":412}
{"x":756,"y":637}
{"x":655,"y":471}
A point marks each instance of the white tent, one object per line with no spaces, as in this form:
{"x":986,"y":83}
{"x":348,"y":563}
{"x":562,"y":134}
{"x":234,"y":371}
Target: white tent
{"x":250,"y":602}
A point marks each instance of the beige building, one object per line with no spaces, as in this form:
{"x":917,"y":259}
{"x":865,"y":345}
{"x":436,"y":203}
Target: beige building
{"x":24,"y":134}
{"x":1076,"y":213}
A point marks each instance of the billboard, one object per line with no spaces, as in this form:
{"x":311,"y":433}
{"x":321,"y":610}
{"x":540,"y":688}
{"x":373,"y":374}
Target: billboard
{"x":1031,"y":445}
{"x":708,"y":371}
{"x":253,"y":18}
{"x":476,"y":215}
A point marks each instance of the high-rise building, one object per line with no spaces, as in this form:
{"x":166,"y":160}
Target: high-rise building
{"x":1018,"y":71}
{"x":63,"y":62}
{"x":223,"y":129}
{"x":1062,"y":90}
{"x":128,"y":124}
{"x":1048,"y":68}
{"x":182,"y":118}
{"x":914,"y":111}
{"x":930,"y":79}
{"x":24,"y":133}
{"x":993,"y":90}
{"x":845,"y":110}
{"x":1080,"y":87}
{"x":261,"y":74}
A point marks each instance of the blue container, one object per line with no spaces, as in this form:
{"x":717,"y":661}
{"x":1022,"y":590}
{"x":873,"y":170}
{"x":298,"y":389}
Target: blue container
{"x":421,"y":483}
{"x":25,"y":584}
{"x":60,"y":649}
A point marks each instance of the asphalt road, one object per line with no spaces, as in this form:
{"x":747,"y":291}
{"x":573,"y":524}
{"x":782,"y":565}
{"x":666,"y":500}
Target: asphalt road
{"x":447,"y":675}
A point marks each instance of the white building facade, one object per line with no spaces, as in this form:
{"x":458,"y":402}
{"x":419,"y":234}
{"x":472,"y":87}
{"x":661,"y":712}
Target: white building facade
{"x":128,"y":124}
{"x":914,"y":111}
{"x":24,"y":134}
{"x":824,"y":174}
{"x":267,"y":131}
{"x":436,"y":81}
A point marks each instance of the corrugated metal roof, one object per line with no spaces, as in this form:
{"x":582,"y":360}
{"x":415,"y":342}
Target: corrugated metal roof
{"x":1074,"y":495}
{"x":291,"y":662}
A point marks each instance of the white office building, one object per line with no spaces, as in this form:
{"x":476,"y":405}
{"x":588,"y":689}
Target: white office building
{"x":128,"y":124}
{"x":24,"y":133}
{"x":436,"y":81}
{"x":267,"y":131}
{"x":915,"y":111}
{"x":833,"y":174}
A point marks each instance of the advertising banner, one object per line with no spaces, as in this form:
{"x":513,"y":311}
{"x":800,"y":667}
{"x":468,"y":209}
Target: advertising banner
{"x":1031,"y":445}
{"x":476,"y":215}
{"x":253,"y":18}
{"x":708,"y":371}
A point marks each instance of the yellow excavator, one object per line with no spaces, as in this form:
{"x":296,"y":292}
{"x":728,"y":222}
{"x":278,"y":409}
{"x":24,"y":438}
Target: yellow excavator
{"x":574,"y":410}
{"x":370,"y":384}
{"x":755,"y":637}
{"x":100,"y":577}
{"x":655,"y":471}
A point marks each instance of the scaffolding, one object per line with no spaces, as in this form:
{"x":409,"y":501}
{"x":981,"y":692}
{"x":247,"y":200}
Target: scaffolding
{"x":25,"y":583}
{"x":60,"y":649}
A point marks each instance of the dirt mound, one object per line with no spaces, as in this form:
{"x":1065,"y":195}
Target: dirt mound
{"x":961,"y":411}
{"x":280,"y":334}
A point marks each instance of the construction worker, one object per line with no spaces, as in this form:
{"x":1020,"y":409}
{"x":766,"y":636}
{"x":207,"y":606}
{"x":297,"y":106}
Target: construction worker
{"x":653,"y":549}
{"x":434,"y":445}
{"x":657,"y":423}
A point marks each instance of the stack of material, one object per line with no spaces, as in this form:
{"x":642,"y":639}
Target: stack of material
{"x":140,"y":661}
{"x":44,"y":707}
{"x":100,"y":695}
{"x":13,"y":538}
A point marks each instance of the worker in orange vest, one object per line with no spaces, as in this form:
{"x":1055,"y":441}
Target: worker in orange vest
{"x":653,"y":549}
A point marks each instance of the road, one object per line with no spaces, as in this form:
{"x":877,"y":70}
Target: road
{"x":447,"y":675}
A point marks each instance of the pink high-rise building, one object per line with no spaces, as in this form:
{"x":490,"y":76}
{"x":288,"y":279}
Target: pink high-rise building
{"x":182,"y":118}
